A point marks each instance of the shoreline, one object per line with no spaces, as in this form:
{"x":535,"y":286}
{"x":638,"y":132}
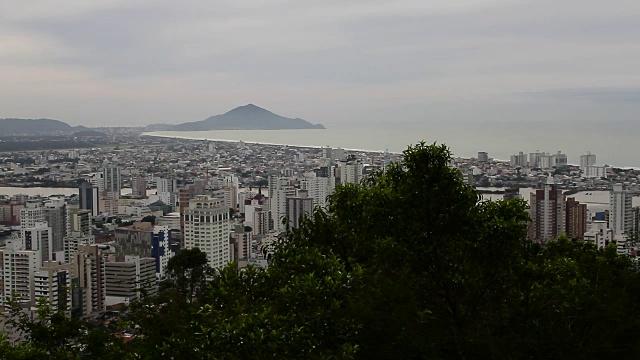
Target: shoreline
{"x":153,"y":134}
{"x":266,"y":143}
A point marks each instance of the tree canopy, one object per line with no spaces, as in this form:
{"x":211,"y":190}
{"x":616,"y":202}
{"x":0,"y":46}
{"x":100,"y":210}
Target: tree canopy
{"x":409,"y":264}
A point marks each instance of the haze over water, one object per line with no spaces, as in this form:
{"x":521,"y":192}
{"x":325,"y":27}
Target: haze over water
{"x":614,"y":143}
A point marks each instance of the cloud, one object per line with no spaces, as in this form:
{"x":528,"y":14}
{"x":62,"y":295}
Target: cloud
{"x":352,"y":61}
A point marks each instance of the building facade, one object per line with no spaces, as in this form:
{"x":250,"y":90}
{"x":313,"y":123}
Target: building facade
{"x":206,"y":227}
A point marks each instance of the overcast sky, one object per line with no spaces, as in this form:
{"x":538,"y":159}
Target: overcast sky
{"x":136,"y":62}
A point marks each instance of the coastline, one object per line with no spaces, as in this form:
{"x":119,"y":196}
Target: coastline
{"x":263,"y":143}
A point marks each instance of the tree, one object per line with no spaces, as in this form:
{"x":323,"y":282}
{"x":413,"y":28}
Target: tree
{"x":187,"y":273}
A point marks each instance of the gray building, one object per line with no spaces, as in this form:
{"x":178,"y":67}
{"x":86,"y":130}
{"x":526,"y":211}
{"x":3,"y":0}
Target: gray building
{"x":129,"y":279}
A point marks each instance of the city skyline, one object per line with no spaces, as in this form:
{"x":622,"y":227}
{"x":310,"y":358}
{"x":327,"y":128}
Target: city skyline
{"x":137,"y":63}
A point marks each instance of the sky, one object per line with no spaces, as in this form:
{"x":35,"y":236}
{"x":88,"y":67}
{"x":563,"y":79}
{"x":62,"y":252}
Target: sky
{"x":340,"y":63}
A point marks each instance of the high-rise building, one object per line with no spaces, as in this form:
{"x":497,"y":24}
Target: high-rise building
{"x":620,"y":210}
{"x":168,"y":184}
{"x":112,"y":180}
{"x":319,"y":188}
{"x":519,"y":160}
{"x":18,"y":268}
{"x":97,"y":181}
{"x":31,"y":214}
{"x":297,"y":207}
{"x":138,"y":184}
{"x":339,"y":154}
{"x":327,"y":152}
{"x":73,"y":240}
{"x":350,"y":171}
{"x":89,"y":198}
{"x":89,"y":283}
{"x":262,"y":221}
{"x":559,"y":160}
{"x":483,"y":156}
{"x":52,"y":282}
{"x":576,"y":219}
{"x":161,"y":252}
{"x":595,"y":172}
{"x":279,"y":190}
{"x":39,"y":238}
{"x":134,"y":240}
{"x":241,"y":241}
{"x":547,"y":212}
{"x":78,"y":220}
{"x":129,"y":279}
{"x":635,"y":229}
{"x":588,"y":159}
{"x":535,"y":159}
{"x":55,"y":213}
{"x":206,"y":226}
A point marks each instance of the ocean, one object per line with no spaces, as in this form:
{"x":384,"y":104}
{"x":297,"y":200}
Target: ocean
{"x":615,"y":145}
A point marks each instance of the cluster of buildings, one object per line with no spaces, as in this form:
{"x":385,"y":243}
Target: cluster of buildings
{"x":552,"y":214}
{"x":134,"y":208}
{"x":531,"y":170}
{"x":111,"y":241}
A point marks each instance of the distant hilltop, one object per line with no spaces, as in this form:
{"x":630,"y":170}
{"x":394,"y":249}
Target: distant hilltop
{"x":247,"y":117}
{"x":36,"y":126}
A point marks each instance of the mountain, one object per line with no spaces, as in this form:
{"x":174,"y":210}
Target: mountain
{"x":248,"y":117}
{"x":33,"y":126}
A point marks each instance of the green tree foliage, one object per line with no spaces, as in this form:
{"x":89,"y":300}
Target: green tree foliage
{"x":52,"y":334}
{"x":408,"y":264}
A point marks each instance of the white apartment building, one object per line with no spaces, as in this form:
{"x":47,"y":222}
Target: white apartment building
{"x":31,"y":214}
{"x":18,"y":268}
{"x":620,"y":210}
{"x":350,"y":172}
{"x":319,"y":188}
{"x":206,"y":226}
{"x":594,"y":171}
{"x":73,"y":240}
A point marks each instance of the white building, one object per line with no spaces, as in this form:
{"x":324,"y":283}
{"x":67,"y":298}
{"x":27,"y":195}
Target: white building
{"x":73,"y":240}
{"x":206,"y":226}
{"x":97,"y":181}
{"x":319,"y":188}
{"x":587,"y":160}
{"x":594,"y":171}
{"x":279,"y":191}
{"x":39,"y":238}
{"x":519,"y":160}
{"x":620,"y":210}
{"x":18,"y":268}
{"x":350,"y":172}
{"x":31,"y":214}
{"x":599,"y":234}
